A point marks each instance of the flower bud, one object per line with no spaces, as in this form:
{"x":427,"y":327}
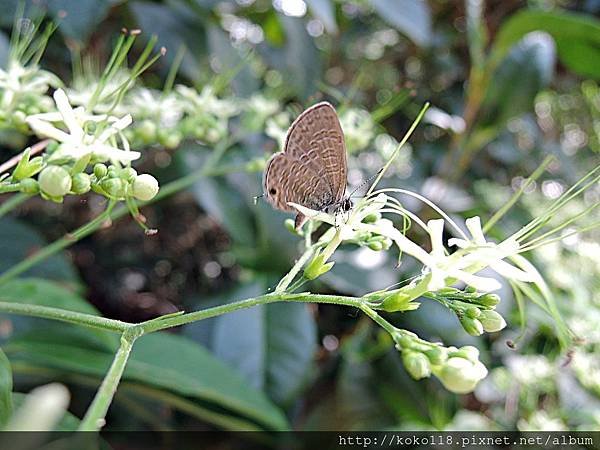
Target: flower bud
{"x":468,"y":351}
{"x":100,"y":170}
{"x":461,"y":375}
{"x":492,"y":321}
{"x":129,"y":174}
{"x":376,"y":245}
{"x":437,"y":355}
{"x":447,"y":291}
{"x":114,"y":187}
{"x":54,"y":181}
{"x":81,"y":183}
{"x":316,"y":267}
{"x":170,"y":140}
{"x":473,"y":312}
{"x":290,"y":225}
{"x":145,"y":187}
{"x":472,"y":326}
{"x":29,"y":186}
{"x":488,"y":299}
{"x":147,"y":131}
{"x":398,"y":301}
{"x":387,"y":243}
{"x":416,"y":364}
{"x":372,"y":218}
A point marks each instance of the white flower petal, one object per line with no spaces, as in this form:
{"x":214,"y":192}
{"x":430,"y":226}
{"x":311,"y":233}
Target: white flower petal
{"x":435,"y":228}
{"x":68,"y":115}
{"x":106,"y":152}
{"x":115,"y":127}
{"x":510,"y":272}
{"x":45,"y":129}
{"x":314,"y":214}
{"x":474,"y":226}
{"x":460,"y":243}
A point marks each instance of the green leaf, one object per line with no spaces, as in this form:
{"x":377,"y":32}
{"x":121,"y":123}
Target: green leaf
{"x":411,"y":17}
{"x":78,"y":19}
{"x":160,"y":360}
{"x":526,"y":70}
{"x":36,"y":291}
{"x":18,"y":240}
{"x":6,"y":385}
{"x":577,"y":38}
{"x":271,"y":345}
{"x":324,"y":10}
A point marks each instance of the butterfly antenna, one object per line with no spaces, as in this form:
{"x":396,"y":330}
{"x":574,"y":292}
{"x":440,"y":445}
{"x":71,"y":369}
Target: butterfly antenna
{"x":364,"y":183}
{"x":257,"y":197}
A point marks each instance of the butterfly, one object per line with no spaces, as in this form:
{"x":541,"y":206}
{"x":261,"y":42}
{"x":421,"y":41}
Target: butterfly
{"x":311,"y":169}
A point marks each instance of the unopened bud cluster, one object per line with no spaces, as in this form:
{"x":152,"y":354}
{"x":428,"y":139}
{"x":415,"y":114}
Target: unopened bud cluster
{"x":474,"y":310}
{"x":459,"y":369}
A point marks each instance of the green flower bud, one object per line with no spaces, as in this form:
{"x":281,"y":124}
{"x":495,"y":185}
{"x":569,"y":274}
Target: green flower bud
{"x":470,"y":290}
{"x":147,"y":131}
{"x":387,"y":243}
{"x":402,"y":341}
{"x":461,"y":375}
{"x":170,"y":139}
{"x":290,"y":225}
{"x":372,"y":218}
{"x":473,"y":312}
{"x":375,"y":245}
{"x":472,"y":326}
{"x":468,"y":351}
{"x":398,"y":301}
{"x":437,"y":355}
{"x":100,"y":170}
{"x":114,"y":187}
{"x":317,"y":267}
{"x":19,"y":117}
{"x":491,"y":321}
{"x":51,"y":147}
{"x":54,"y":181}
{"x":488,"y":299}
{"x":29,"y":186}
{"x":145,"y":187}
{"x":129,"y":174}
{"x":416,"y":364}
{"x":81,"y":183}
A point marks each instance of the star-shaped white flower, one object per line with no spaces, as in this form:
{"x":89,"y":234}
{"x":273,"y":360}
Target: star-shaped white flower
{"x":77,"y":143}
{"x":481,"y":251}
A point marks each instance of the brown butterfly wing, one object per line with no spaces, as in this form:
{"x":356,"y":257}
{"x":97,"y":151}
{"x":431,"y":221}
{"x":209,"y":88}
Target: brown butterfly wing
{"x":311,"y":170}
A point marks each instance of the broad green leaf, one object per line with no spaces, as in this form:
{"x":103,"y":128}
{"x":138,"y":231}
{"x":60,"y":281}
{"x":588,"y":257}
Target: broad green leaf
{"x":78,"y":19}
{"x":35,"y":291}
{"x":271,"y":345}
{"x":324,"y":10}
{"x":18,"y":240}
{"x":411,"y":17}
{"x":526,"y":70}
{"x":160,"y":360}
{"x":6,"y":404}
{"x":577,"y":38}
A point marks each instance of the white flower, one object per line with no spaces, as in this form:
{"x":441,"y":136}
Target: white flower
{"x":206,"y":102}
{"x":474,"y":256}
{"x":491,"y":254}
{"x":77,"y":142}
{"x":18,"y":80}
{"x":166,"y":109}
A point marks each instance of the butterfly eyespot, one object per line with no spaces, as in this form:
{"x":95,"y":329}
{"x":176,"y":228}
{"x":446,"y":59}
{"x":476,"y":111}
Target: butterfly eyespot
{"x":272,"y":191}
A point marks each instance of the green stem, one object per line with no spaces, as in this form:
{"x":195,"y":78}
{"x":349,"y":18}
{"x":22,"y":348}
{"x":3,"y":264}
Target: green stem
{"x":12,"y":203}
{"x":94,"y":417}
{"x":63,"y":315}
{"x":174,"y":321}
{"x":57,"y":245}
{"x":287,"y":279}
